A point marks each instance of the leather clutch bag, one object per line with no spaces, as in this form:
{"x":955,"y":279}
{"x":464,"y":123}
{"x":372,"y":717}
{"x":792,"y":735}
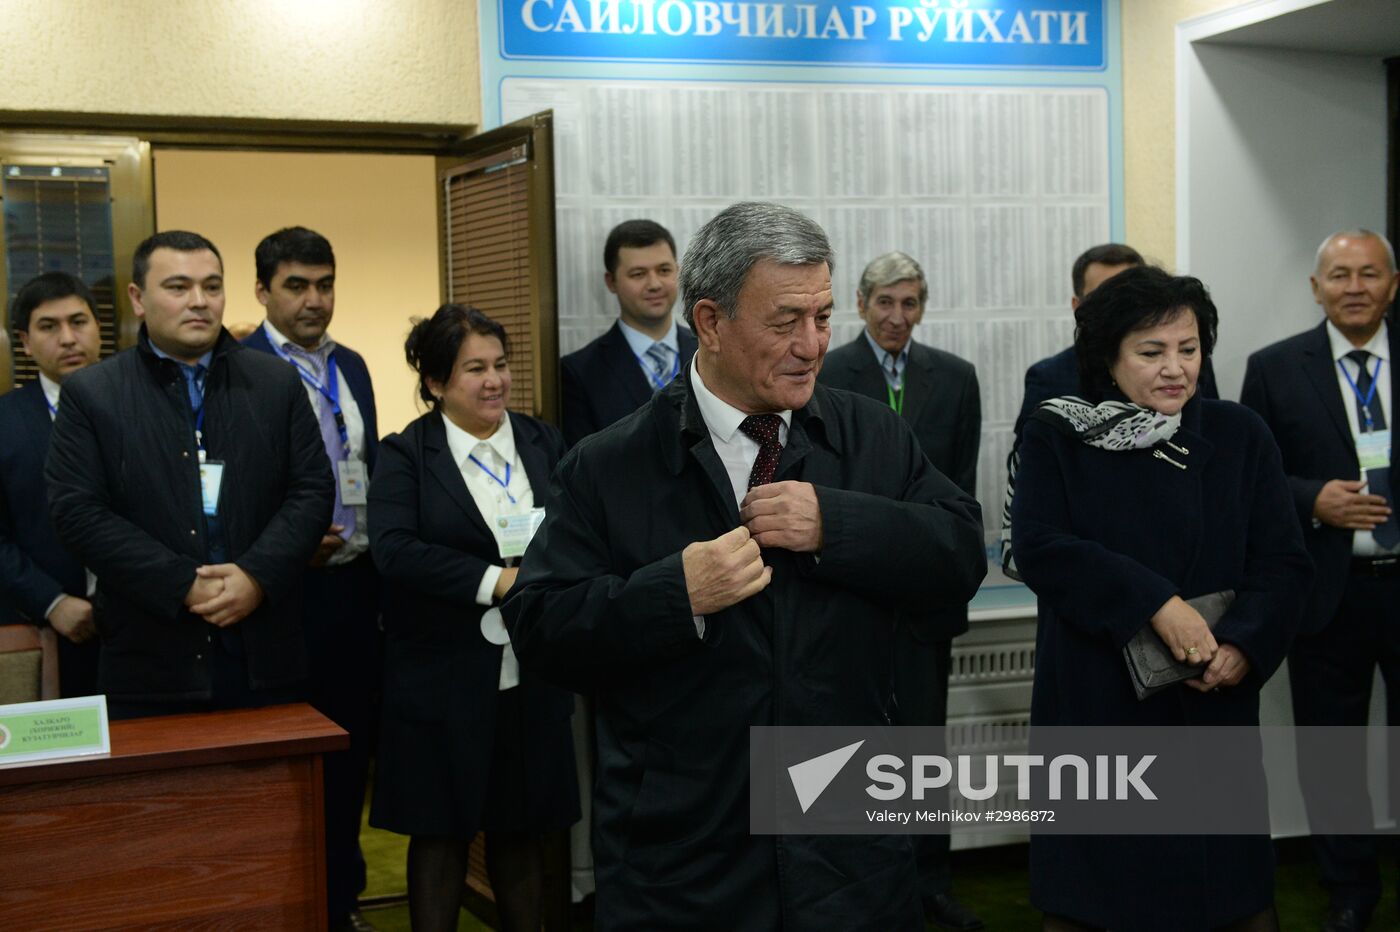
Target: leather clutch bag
{"x":1151,"y":666}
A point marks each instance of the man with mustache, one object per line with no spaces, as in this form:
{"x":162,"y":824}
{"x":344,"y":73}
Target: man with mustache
{"x":740,"y":552}
{"x":188,"y":474}
{"x":40,"y":581}
{"x":340,"y":609}
{"x":937,"y":394}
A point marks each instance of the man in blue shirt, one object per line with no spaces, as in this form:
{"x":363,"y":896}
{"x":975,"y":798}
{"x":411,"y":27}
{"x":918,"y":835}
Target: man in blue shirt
{"x":188,"y":474}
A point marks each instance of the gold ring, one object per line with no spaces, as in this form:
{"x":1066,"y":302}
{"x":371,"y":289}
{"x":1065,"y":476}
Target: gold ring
{"x":1191,"y":652}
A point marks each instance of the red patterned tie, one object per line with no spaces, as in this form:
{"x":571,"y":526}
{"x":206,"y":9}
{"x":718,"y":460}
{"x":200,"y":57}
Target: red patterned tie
{"x":763,"y":429}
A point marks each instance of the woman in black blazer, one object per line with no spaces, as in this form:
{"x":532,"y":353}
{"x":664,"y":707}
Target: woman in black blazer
{"x":1127,"y":503}
{"x":470,"y":742}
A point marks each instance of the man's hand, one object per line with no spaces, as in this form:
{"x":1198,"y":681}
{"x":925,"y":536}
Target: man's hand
{"x":505,"y":581}
{"x":1227,"y":669}
{"x":240,"y":596}
{"x":72,"y":618}
{"x":1342,"y":504}
{"x":723,"y":572}
{"x":1184,"y":631}
{"x":202,"y":590}
{"x":785,"y":515}
{"x":331,"y":541}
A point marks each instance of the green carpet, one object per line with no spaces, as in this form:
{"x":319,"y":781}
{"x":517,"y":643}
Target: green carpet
{"x":991,"y":880}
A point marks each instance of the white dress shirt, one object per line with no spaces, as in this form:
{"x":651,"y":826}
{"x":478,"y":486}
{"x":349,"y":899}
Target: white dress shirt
{"x":736,"y":449}
{"x":1363,"y":543}
{"x":894,"y":378}
{"x":358,"y":542}
{"x":491,"y":499}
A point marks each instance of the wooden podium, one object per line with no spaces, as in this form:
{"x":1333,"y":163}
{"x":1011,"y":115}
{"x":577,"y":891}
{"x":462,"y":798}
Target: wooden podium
{"x":208,"y":821}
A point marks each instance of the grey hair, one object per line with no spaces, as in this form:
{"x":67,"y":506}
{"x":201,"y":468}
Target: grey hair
{"x":889,"y":269}
{"x":1354,"y":234}
{"x":736,"y":239}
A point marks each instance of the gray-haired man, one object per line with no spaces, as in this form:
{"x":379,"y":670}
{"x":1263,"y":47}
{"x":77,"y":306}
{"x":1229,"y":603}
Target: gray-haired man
{"x":740,"y":552}
{"x":937,"y":394}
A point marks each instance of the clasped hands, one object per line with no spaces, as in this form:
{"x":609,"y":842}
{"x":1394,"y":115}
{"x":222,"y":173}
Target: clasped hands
{"x":1189,"y":638}
{"x":727,"y":570}
{"x":223,"y":595}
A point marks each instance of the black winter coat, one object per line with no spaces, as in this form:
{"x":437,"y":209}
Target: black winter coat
{"x":1104,"y":539}
{"x":124,"y":489}
{"x":601,"y":605}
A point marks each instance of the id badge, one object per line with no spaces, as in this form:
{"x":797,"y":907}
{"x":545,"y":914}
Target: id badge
{"x":354,"y":482}
{"x":211,"y":481}
{"x":515,"y":531}
{"x":1373,"y":450}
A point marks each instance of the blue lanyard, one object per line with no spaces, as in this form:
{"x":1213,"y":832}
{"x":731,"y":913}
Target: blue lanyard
{"x":651,"y":376}
{"x":53,"y":408}
{"x":199,"y":430}
{"x":331,"y":394}
{"x":505,"y":485}
{"x":1370,"y":394}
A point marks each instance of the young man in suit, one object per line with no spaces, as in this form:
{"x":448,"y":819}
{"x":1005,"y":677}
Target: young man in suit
{"x":40,"y":581}
{"x":1328,"y":394}
{"x":187,"y":472}
{"x":640,"y":354}
{"x":937,"y":394}
{"x":340,"y":609}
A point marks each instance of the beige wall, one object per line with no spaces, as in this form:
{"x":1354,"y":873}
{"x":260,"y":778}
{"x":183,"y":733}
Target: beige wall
{"x":378,"y":211}
{"x":1149,"y":119}
{"x":369,"y":61}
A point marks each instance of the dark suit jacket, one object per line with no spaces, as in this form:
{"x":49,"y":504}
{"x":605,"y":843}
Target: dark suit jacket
{"x":603,"y":383}
{"x":1293,"y":386}
{"x":601,"y":605}
{"x":943,"y":405}
{"x":352,"y":364}
{"x":1058,"y":375}
{"x":124,"y":487}
{"x":432,"y":545}
{"x":35,"y":568}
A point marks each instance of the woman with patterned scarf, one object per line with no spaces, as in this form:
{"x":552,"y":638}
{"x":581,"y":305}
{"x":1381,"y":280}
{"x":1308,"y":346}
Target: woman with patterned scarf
{"x":1128,"y":503}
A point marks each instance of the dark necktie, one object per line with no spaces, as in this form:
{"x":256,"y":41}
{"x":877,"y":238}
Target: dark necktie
{"x":1377,"y":480}
{"x":763,"y":429}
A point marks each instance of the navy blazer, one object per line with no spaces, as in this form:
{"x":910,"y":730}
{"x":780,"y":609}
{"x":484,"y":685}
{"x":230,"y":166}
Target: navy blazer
{"x":1058,"y":375}
{"x":1293,"y":386}
{"x":352,"y":364}
{"x":603,"y":382}
{"x":943,"y":405}
{"x":35,"y":568}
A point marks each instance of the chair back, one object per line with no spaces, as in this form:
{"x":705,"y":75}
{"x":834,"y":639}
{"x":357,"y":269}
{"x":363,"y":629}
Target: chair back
{"x":28,"y":664}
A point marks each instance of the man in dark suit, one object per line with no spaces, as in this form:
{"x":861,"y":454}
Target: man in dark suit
{"x":1058,"y":375}
{"x":1328,"y":394}
{"x":340,"y":614}
{"x":40,"y":581}
{"x":188,"y":474}
{"x":615,"y":374}
{"x":937,"y":394}
{"x":750,"y":568}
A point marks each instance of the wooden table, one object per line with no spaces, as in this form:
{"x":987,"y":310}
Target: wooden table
{"x":209,"y":821}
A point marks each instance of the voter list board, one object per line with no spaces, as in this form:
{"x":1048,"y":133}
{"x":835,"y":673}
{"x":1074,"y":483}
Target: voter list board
{"x":994,"y":190}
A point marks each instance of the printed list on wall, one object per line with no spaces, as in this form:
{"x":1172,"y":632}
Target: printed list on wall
{"x":993,"y":189}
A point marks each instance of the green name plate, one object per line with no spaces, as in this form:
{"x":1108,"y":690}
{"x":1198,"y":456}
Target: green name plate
{"x":33,"y":732}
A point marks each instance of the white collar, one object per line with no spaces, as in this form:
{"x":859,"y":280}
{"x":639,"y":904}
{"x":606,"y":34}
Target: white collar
{"x":722,"y":418}
{"x":281,"y":342}
{"x":463,"y":444}
{"x":51,"y":389}
{"x":640,"y":342}
{"x":1378,"y":345}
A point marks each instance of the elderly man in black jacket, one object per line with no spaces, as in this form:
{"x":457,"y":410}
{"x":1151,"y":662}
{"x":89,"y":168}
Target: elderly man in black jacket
{"x":739,"y":552}
{"x":188,"y":473}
